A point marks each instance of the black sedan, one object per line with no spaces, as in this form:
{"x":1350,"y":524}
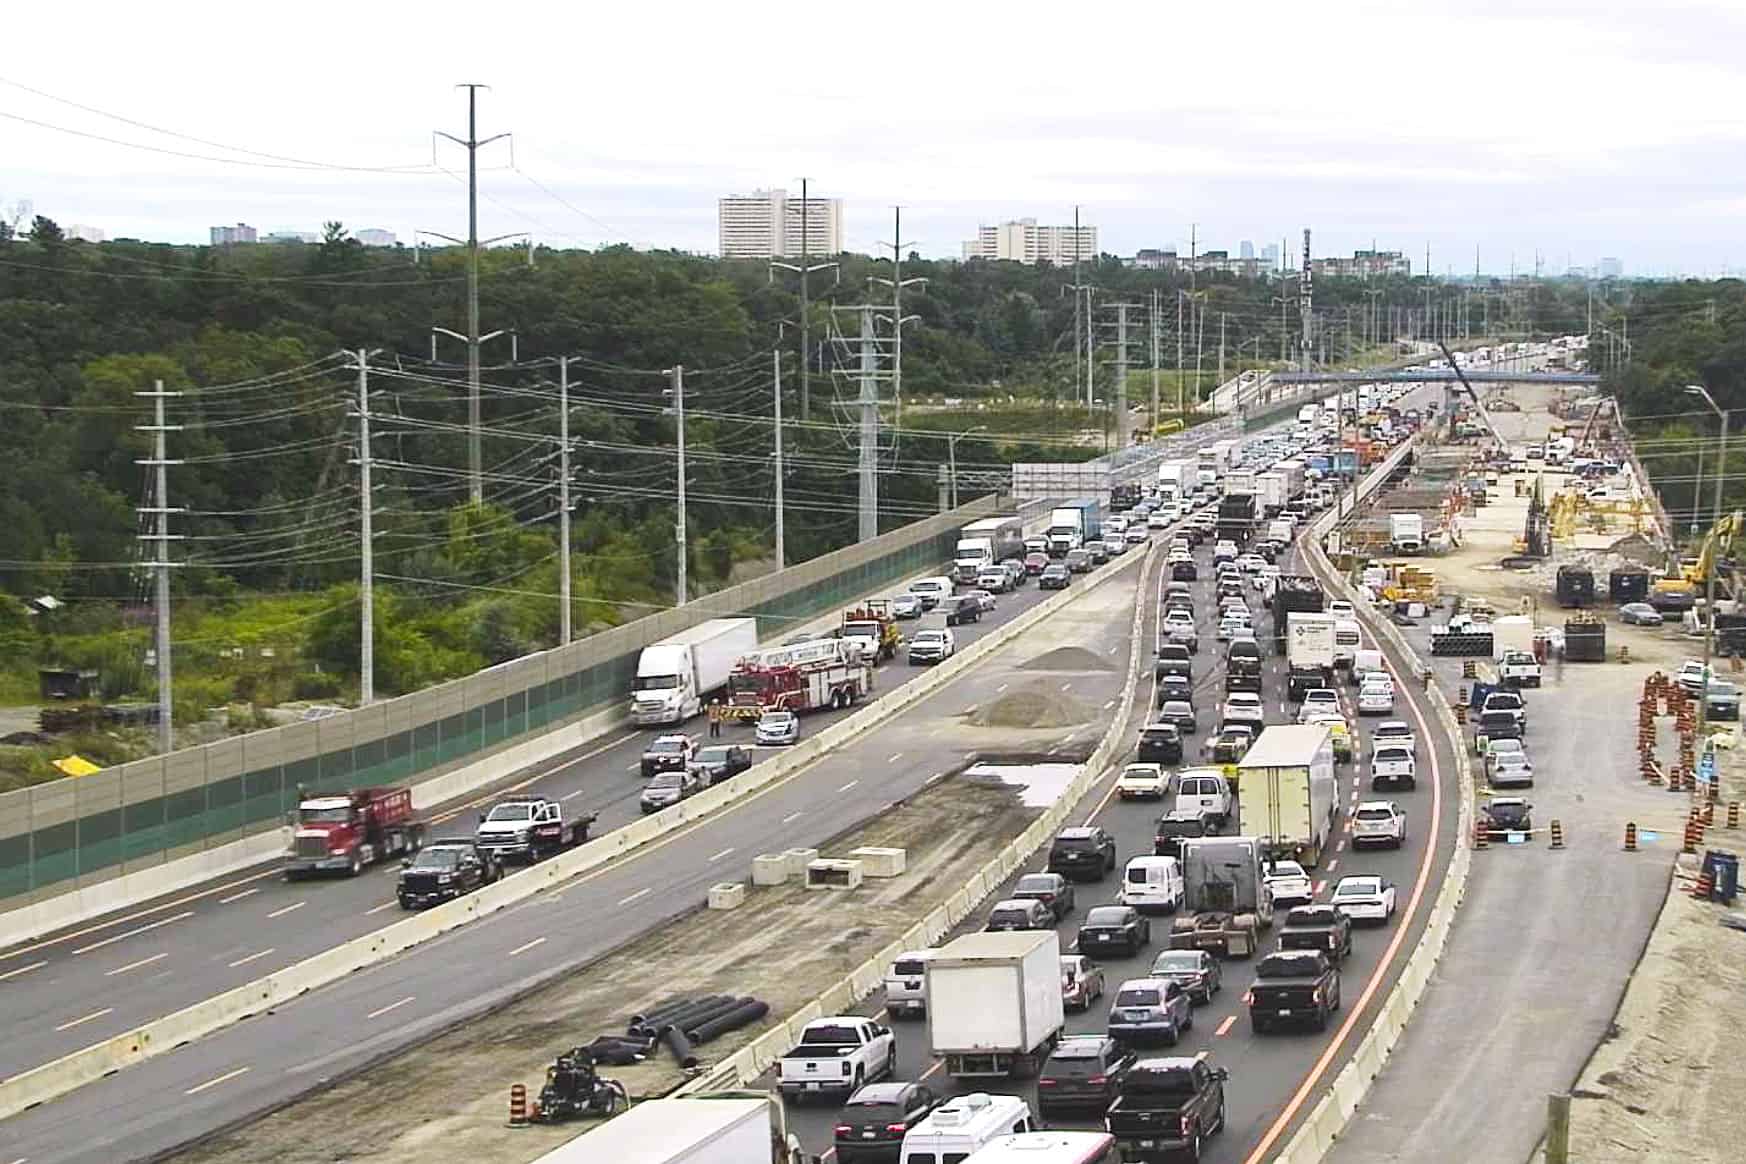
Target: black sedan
{"x":1055,"y":576}
{"x":723,"y":761}
{"x":443,"y":871}
{"x":876,"y":1118}
{"x":1082,"y":853}
{"x":1111,"y":929}
{"x":1084,"y":1072}
{"x":1160,"y":743}
{"x":1507,"y":814}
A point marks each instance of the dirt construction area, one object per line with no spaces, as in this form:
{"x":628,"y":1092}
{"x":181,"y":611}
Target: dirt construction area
{"x":1665,"y":1082}
{"x":447,"y":1100}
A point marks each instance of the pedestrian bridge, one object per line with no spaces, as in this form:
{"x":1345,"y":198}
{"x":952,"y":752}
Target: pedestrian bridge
{"x":1434,"y":375}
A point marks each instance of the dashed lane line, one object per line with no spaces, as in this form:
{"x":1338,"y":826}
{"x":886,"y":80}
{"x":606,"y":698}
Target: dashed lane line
{"x":721,"y":854}
{"x":525,"y":947}
{"x":380,"y":908}
{"x":22,"y":970}
{"x":292,"y":908}
{"x":239,"y":896}
{"x":792,"y":817}
{"x":643,"y":892}
{"x":225,"y":1078}
{"x":1224,"y":1028}
{"x":244,"y":961}
{"x":82,"y":1020}
{"x":848,"y":786}
{"x":158,"y":957}
{"x":110,"y":941}
{"x":382,"y":1010}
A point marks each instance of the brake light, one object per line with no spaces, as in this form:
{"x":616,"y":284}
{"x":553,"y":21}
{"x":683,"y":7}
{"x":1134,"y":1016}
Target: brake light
{"x":896,"y":1129}
{"x":844,"y":1130}
{"x":845,"y":1066}
{"x":1098,"y":1080}
{"x":1046,"y":1083}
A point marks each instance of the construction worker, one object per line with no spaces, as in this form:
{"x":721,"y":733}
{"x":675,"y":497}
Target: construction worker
{"x":715,"y":719}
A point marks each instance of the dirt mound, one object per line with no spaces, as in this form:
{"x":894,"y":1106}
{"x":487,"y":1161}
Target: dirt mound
{"x":1068,"y":659}
{"x":1035,"y":706}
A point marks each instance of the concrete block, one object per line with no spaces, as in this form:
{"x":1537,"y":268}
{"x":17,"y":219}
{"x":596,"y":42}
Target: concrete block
{"x":833,"y":873}
{"x":727,"y":895}
{"x":799,"y":859}
{"x":769,"y":869}
{"x":877,"y":861}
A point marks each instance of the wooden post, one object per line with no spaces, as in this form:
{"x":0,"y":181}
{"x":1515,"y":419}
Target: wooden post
{"x":1558,"y":1128}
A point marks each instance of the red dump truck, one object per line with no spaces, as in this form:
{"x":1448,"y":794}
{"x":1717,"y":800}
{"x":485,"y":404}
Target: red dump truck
{"x":344,"y":832}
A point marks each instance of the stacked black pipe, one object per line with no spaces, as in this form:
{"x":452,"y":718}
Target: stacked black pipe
{"x":681,"y":1024}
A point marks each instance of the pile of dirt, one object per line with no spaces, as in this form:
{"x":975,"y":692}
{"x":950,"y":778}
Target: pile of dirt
{"x":1035,"y":706}
{"x":1068,"y":659}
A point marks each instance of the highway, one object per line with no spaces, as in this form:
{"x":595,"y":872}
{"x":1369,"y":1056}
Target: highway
{"x":270,"y":1059}
{"x":1275,"y":1078}
{"x":106,"y":976}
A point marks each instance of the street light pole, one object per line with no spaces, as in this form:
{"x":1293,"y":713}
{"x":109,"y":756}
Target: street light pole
{"x":1710,"y":573}
{"x":952,"y":440}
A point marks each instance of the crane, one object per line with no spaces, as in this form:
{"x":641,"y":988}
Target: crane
{"x":1478,"y":404}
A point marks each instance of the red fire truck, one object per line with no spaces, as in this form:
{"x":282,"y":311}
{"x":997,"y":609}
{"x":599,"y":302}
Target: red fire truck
{"x":348,"y":830}
{"x":829,"y":672}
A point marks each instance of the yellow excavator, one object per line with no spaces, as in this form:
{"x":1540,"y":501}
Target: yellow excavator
{"x":1688,"y":580}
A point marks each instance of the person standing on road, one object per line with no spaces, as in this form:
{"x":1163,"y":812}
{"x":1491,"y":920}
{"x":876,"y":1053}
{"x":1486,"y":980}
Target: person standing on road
{"x":715,"y":719}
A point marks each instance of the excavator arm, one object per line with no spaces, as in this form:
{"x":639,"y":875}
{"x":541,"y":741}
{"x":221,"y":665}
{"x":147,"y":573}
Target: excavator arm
{"x":1478,"y":405}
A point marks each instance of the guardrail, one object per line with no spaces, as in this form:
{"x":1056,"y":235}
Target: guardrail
{"x":46,"y":1082}
{"x":1330,"y":1115}
{"x":756,"y":1057}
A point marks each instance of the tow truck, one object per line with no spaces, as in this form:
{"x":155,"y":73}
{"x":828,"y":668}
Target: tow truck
{"x":873,"y":629}
{"x":832,"y":672}
{"x":529,"y":828}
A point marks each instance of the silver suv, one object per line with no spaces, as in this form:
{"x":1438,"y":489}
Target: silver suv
{"x":1148,"y":1009}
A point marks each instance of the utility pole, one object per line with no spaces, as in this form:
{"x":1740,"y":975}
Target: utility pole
{"x":897,"y":283}
{"x":1180,"y":411}
{"x":1121,"y":388}
{"x":677,"y":392}
{"x":475,"y":462}
{"x":1306,"y":290}
{"x":1078,"y":318}
{"x":160,"y":464}
{"x":1154,"y":327}
{"x":1223,"y":316}
{"x":366,"y":540}
{"x":804,"y":270}
{"x":776,"y":376}
{"x":1199,"y":344}
{"x":869,"y":402}
{"x":564,"y":501}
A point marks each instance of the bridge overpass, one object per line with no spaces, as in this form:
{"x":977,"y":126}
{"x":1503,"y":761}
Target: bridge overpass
{"x":1434,"y":375}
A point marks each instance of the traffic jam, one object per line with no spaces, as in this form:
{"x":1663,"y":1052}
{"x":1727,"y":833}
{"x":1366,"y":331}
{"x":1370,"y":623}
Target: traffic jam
{"x":1158,"y":973}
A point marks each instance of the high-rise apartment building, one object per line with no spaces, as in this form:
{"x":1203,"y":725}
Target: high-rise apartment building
{"x":1270,"y":256}
{"x":1246,"y":249}
{"x":223,"y":236}
{"x":1364,"y":265}
{"x":1611,"y":269}
{"x":1023,"y":241}
{"x":768,"y":224}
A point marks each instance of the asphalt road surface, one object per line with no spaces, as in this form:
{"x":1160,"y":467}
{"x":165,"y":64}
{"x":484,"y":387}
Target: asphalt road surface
{"x":1274,"y":1078}
{"x":269,"y":1059}
{"x":106,"y":976}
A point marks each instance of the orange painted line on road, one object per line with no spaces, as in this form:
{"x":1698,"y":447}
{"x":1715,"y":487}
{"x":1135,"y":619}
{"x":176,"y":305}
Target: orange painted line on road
{"x":1224,"y":1028}
{"x":1326,"y":1060}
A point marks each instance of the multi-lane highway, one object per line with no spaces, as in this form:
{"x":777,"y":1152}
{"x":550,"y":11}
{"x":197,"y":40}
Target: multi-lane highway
{"x":103,"y":977}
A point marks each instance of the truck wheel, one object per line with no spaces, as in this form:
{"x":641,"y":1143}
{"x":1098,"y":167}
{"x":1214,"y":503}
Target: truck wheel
{"x":1220,"y":1126}
{"x":1257,"y":1024}
{"x":1321,"y":1020}
{"x":357,"y":865}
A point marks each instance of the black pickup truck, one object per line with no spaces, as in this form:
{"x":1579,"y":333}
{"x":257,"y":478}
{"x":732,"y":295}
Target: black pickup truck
{"x":1293,"y":986}
{"x":1317,"y":927}
{"x":1166,"y":1109}
{"x":444,"y":870}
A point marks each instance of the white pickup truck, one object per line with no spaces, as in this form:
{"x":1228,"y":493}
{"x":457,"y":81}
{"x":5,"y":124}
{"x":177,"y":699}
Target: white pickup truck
{"x":836,"y":1056}
{"x":1519,"y":668}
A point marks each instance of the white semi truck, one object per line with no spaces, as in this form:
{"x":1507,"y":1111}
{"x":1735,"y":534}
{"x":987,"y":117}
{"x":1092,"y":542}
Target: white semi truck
{"x":994,"y":1002}
{"x":985,"y":542}
{"x":678,"y":674}
{"x":1289,"y":799}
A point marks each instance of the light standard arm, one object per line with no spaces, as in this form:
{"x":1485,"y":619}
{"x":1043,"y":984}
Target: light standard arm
{"x":952,"y":440}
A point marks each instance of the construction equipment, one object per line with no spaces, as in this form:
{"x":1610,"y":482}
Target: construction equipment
{"x":572,"y":1089}
{"x":1537,"y":533}
{"x":1478,"y":404}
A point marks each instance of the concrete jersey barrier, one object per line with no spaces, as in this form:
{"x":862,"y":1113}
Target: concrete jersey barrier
{"x":46,"y":1082}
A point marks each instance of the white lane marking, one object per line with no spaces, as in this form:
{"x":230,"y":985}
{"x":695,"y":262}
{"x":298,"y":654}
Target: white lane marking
{"x":721,"y":854}
{"x":238,"y":896}
{"x":22,"y":970}
{"x":380,"y":1011}
{"x":1334,"y":864}
{"x":633,"y":767}
{"x":895,"y":757}
{"x":526,"y":946}
{"x":1065,"y":686}
{"x":380,"y":908}
{"x":1001,"y":688}
{"x":1109,"y":705}
{"x":792,"y":817}
{"x":187,"y":913}
{"x":289,"y":909}
{"x":848,"y":786}
{"x":1319,"y":886}
{"x":159,"y":957}
{"x":250,"y":958}
{"x":1341,"y":847}
{"x":226,"y":1077}
{"x":78,"y":1022}
{"x":568,"y":796}
{"x":639,"y":893}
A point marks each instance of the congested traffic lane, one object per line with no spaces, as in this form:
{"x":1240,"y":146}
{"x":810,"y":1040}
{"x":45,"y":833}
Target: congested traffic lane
{"x":99,"y":978}
{"x":378,"y":1011}
{"x":1275,"y":1077}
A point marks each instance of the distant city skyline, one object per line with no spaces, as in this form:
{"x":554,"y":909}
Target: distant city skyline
{"x":110,"y":141}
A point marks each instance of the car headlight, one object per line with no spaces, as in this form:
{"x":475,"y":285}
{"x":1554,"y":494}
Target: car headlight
{"x":445,"y":878}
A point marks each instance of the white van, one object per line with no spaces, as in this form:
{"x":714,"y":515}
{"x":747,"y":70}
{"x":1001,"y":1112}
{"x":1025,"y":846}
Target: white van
{"x":963,"y":1124}
{"x":931,"y":591}
{"x":1205,"y":791}
{"x":1366,"y":662}
{"x":1152,"y":883}
{"x":1347,"y":639}
{"x":906,"y":983}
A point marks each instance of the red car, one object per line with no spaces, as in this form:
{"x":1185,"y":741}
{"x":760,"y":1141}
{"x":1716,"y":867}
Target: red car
{"x":1035,"y":563}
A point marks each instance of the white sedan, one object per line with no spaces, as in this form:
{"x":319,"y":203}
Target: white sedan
{"x":1365,"y":897}
{"x":1375,"y":698}
{"x":1143,"y":782}
{"x":1244,"y":707}
{"x":1289,"y":884}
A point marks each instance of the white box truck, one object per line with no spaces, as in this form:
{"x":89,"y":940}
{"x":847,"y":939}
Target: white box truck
{"x":1309,"y":652}
{"x":994,"y":1002}
{"x":1288,"y":795}
{"x":1406,"y":533}
{"x":676,"y":675}
{"x":732,"y":1128}
{"x":1175,"y":480}
{"x":1272,"y":492}
{"x":1239,"y":481}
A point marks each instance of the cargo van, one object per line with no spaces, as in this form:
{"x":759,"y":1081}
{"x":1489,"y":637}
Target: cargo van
{"x":1152,"y":883}
{"x":1347,"y":640}
{"x":906,"y":984}
{"x":931,"y":591}
{"x":1366,"y":662}
{"x":963,"y":1124}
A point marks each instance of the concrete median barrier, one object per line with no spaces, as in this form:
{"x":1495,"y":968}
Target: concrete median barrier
{"x":69,"y":1072}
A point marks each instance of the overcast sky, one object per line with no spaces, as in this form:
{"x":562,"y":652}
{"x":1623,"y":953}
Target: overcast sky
{"x":1571,"y":129}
